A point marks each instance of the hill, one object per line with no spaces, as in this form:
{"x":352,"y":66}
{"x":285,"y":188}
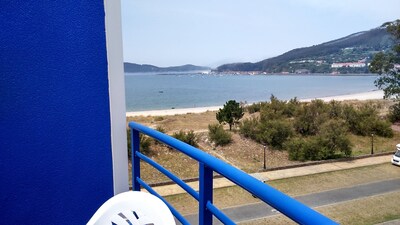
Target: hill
{"x":357,"y":48}
{"x":145,"y":68}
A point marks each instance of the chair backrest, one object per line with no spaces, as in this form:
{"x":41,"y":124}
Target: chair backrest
{"x":139,"y":208}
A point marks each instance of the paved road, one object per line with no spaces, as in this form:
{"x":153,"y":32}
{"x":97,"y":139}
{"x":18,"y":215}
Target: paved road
{"x":260,"y":210}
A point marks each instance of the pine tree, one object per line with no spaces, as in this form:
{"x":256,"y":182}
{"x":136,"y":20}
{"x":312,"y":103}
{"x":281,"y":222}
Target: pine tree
{"x":231,"y":113}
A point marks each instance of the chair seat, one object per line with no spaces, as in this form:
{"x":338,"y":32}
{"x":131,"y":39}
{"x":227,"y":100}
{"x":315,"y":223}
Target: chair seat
{"x":134,"y":208}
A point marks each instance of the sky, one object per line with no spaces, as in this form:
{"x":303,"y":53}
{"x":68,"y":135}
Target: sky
{"x":214,"y":32}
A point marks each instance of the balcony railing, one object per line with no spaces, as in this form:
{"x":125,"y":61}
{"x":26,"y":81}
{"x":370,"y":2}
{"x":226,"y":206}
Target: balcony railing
{"x":288,"y":206}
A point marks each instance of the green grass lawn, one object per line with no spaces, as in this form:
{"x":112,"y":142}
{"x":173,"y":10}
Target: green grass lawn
{"x":295,"y":186}
{"x":362,"y":145}
{"x":365,"y":211}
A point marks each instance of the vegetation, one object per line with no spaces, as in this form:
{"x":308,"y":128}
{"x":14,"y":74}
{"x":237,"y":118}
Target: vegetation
{"x":330,"y":142}
{"x":218,"y":135}
{"x":162,"y":130}
{"x":245,"y":153}
{"x":145,"y":143}
{"x":187,"y":137}
{"x":274,"y":132}
{"x":394,"y":113}
{"x":314,"y":130}
{"x":253,"y":108}
{"x":310,"y":117}
{"x":138,"y":68}
{"x":272,"y":127}
{"x":231,"y":113}
{"x":318,"y":58}
{"x":384,"y":63}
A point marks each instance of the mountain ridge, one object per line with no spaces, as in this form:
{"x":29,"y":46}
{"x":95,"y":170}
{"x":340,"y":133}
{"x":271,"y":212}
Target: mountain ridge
{"x":147,"y":68}
{"x":319,"y":58}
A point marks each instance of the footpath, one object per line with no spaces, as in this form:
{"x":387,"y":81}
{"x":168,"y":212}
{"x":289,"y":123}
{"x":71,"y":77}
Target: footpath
{"x":174,"y":189}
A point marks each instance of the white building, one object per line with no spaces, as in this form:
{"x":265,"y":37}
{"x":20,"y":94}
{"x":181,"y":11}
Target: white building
{"x":349,"y":64}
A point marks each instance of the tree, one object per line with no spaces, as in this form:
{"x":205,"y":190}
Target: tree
{"x":385,"y":64}
{"x":231,"y":113}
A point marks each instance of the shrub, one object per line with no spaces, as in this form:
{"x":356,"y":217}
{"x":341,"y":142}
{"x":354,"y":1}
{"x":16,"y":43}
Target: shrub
{"x":335,"y":110}
{"x":161,"y":129}
{"x":253,"y":108}
{"x":303,"y":149}
{"x":394,"y":112}
{"x":218,"y":135}
{"x":128,"y":142}
{"x":330,"y":142}
{"x":248,"y":128}
{"x":310,"y":117}
{"x":276,"y":109}
{"x":187,"y":137}
{"x":333,"y":139}
{"x":272,"y":110}
{"x":366,"y":116}
{"x":351,"y":116}
{"x":324,"y":126}
{"x":274,"y":132}
{"x":296,"y":148}
{"x":382,"y":128}
{"x":292,"y":107}
{"x":158,"y":118}
{"x":269,"y":113}
{"x":365,"y":121}
{"x":145,"y":143}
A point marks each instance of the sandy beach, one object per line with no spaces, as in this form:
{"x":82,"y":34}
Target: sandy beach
{"x":370,"y":95}
{"x":378,"y":94}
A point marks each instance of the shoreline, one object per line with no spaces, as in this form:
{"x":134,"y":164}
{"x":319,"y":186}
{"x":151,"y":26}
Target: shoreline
{"x":370,"y":95}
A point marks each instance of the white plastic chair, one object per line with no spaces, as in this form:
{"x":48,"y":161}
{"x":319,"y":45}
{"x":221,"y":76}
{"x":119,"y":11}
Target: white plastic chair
{"x":139,"y":208}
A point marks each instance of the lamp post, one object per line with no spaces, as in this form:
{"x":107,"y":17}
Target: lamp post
{"x":372,"y":143}
{"x":265,"y":167}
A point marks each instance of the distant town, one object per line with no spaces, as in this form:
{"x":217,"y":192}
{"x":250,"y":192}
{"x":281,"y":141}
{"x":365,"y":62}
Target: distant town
{"x":347,"y":55}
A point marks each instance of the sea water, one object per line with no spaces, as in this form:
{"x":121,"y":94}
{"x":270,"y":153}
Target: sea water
{"x":168,"y":91}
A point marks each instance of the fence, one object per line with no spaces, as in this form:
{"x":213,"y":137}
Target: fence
{"x":288,"y":206}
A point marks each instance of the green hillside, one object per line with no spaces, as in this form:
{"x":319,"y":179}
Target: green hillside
{"x":356,"y":47}
{"x":145,"y":68}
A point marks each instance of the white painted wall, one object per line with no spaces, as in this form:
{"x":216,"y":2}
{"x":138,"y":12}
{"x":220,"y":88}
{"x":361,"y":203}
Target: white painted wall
{"x":117,"y":95}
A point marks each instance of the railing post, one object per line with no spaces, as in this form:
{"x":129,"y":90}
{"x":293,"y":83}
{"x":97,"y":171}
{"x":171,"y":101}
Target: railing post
{"x":135,"y":147}
{"x":206,"y":194}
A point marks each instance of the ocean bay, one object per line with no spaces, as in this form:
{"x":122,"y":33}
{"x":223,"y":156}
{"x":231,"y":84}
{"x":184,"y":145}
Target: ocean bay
{"x":167,"y":91}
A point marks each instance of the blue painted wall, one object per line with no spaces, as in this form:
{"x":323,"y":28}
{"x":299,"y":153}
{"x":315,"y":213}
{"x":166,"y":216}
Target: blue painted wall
{"x":55,"y":162}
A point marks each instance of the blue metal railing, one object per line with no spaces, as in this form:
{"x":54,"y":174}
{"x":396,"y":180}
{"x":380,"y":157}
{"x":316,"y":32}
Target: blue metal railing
{"x":288,"y":206}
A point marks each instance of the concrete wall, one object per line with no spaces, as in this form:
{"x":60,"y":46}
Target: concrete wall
{"x":55,"y":130}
